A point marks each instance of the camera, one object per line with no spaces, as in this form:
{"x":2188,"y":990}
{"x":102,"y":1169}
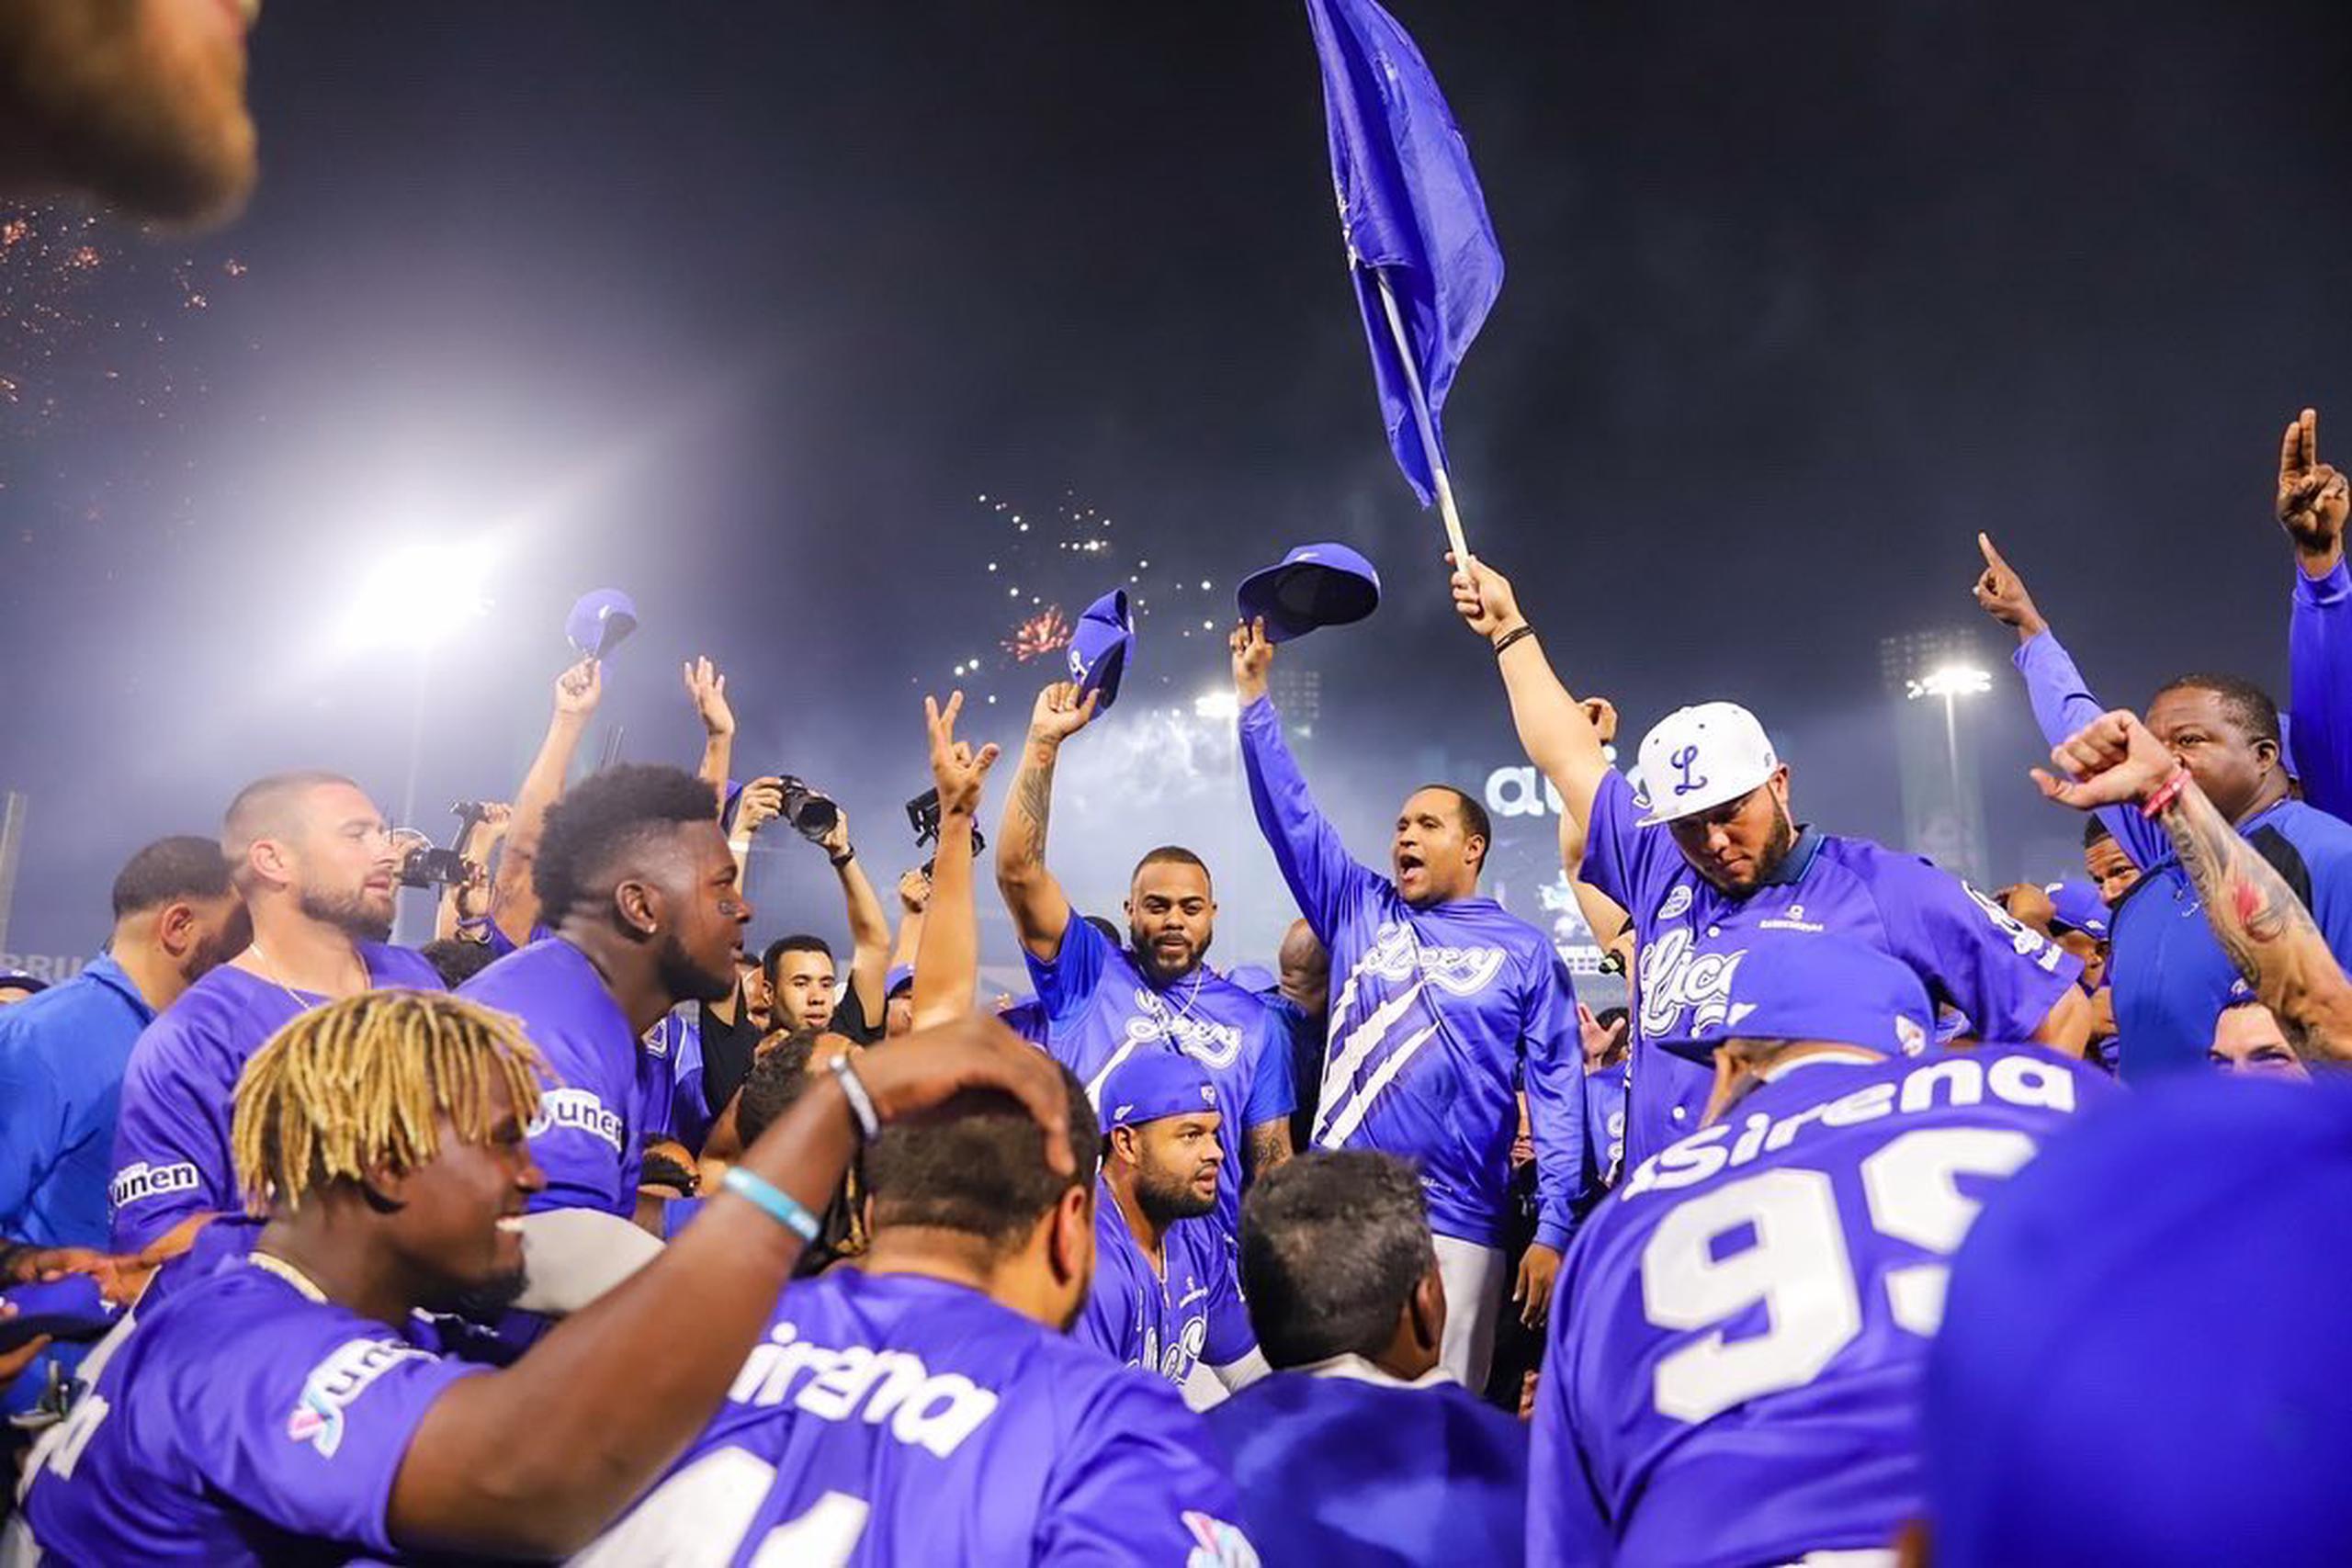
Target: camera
{"x":812,"y":814}
{"x":922,"y":814}
{"x":428,"y":867}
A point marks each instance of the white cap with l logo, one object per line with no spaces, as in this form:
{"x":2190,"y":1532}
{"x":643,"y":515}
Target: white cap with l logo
{"x":1700,"y":758}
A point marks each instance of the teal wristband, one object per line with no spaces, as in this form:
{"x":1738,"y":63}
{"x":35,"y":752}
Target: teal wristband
{"x":777,"y":1204}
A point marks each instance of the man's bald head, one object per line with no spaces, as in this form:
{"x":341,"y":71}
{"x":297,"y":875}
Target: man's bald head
{"x":273,"y":807}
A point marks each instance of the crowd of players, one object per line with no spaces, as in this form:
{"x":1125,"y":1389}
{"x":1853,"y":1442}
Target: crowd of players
{"x":1892,"y":1220}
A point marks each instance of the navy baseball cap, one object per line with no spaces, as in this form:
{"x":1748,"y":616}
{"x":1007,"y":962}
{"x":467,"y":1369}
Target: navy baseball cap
{"x":1099,"y":646}
{"x":2078,"y":908}
{"x":1315,"y":586}
{"x":1152,"y":1084}
{"x":900,"y":977}
{"x":1810,"y":985}
{"x":2137,"y":1361}
{"x":600,"y":621}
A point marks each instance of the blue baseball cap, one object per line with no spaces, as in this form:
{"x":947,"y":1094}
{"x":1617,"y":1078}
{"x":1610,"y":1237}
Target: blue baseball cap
{"x":1809,"y":985}
{"x":1099,"y":646}
{"x":2136,"y":1363}
{"x":2079,"y":908}
{"x":1151,"y":1084}
{"x":900,"y":974}
{"x":1315,"y":586}
{"x":599,"y":623}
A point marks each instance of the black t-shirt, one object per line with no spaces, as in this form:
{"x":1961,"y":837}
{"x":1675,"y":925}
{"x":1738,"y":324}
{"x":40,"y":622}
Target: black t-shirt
{"x":727,"y":1052}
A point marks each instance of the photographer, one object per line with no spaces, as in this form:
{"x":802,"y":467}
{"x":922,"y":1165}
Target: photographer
{"x":802,"y":980}
{"x":464,"y":910}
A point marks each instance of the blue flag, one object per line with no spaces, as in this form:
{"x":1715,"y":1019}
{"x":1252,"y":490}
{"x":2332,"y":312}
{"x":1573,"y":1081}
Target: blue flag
{"x":1410,"y":205}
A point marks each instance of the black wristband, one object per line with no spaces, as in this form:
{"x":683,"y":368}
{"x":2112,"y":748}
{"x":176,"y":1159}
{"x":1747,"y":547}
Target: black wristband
{"x":843,"y":858}
{"x":1508,"y":638}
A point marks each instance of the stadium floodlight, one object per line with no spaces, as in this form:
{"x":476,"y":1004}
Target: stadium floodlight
{"x":1949,"y":680}
{"x":414,"y":595}
{"x":1216,"y":704}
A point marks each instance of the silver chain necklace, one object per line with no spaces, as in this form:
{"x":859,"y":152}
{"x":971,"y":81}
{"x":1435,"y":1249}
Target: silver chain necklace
{"x":269,"y":973}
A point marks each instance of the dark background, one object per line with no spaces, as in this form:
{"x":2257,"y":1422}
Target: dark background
{"x":740,"y":308}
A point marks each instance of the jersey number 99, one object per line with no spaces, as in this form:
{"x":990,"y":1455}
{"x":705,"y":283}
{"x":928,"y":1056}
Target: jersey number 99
{"x":1798,"y":1266}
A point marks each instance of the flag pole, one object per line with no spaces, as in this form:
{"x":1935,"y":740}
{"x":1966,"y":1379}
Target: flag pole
{"x":1421,"y":417}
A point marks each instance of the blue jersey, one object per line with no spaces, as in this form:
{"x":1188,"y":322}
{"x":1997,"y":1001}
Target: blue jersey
{"x":1739,"y":1382}
{"x":1163,"y":1323}
{"x":61,"y":1058}
{"x":2319,"y":651}
{"x":1604,"y":1124}
{"x":891,"y":1418}
{"x":62,"y":1054}
{"x":171,"y":1146}
{"x":669,"y":1083}
{"x":585,"y":1136}
{"x":244,"y":1420}
{"x":2169,"y":974}
{"x":1099,"y":1009}
{"x":1344,"y":1469}
{"x":1435,"y":1013}
{"x":1691,"y":938}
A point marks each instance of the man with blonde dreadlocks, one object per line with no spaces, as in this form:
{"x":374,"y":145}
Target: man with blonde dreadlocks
{"x":286,"y":1405}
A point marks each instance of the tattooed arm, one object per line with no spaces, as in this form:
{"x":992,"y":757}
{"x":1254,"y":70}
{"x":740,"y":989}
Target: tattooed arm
{"x":2261,"y":924}
{"x":1040,"y":909}
{"x":1267,"y":1145}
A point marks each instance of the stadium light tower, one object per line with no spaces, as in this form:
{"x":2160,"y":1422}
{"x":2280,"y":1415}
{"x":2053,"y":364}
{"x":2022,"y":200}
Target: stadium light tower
{"x":1931,"y":675}
{"x":412,"y":598}
{"x":1951,"y":683}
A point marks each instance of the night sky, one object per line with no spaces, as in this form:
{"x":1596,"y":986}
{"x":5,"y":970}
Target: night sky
{"x":743,"y":307}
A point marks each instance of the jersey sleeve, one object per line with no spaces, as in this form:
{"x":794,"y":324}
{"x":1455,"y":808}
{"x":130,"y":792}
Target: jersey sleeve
{"x":1272,"y":1094}
{"x":2319,"y":652}
{"x":1322,"y":877}
{"x":1140,"y":1483}
{"x":1621,"y":859}
{"x":1553,"y":1074}
{"x":32,"y":1130}
{"x":580,"y":1139}
{"x":1066,"y":982}
{"x":171,"y":1148}
{"x":311,"y":1436}
{"x":2005,"y":977}
{"x":2062,"y":703}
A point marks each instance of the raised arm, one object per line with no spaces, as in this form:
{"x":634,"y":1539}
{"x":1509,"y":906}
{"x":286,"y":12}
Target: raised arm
{"x":2264,"y":928}
{"x":1554,"y":730}
{"x":1040,"y":909}
{"x":947,"y":965}
{"x":475,"y":846}
{"x":914,"y":896}
{"x":869,"y":927}
{"x":513,"y":905}
{"x":2313,"y":502}
{"x":2061,"y":700}
{"x":707,"y":688}
{"x":619,"y":1382}
{"x":1308,"y":850}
